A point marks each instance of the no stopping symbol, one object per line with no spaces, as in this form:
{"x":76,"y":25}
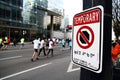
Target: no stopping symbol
{"x":85,"y":37}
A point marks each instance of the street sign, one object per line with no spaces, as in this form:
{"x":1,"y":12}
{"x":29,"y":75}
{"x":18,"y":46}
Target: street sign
{"x":88,"y":39}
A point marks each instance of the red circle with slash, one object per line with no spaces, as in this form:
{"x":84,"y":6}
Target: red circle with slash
{"x":88,"y":42}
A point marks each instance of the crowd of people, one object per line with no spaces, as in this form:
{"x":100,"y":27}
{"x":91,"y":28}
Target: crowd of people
{"x":46,"y":45}
{"x":5,"y":42}
{"x":40,"y":45}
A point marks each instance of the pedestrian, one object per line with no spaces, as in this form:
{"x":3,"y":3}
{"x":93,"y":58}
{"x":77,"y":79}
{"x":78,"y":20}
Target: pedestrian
{"x":67,"y":40}
{"x":14,"y":42}
{"x":5,"y":43}
{"x":42,"y":47}
{"x":57,"y":41}
{"x":1,"y":42}
{"x":63,"y":43}
{"x":22,"y":40}
{"x":115,"y":51}
{"x":9,"y":40}
{"x":50,"y":48}
{"x":70,"y":43}
{"x":36,"y":44}
{"x":47,"y":44}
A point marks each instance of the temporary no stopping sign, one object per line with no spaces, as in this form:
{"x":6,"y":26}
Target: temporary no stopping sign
{"x":88,"y":39}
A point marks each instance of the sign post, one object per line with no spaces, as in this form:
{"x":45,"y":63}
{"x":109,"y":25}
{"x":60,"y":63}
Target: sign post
{"x":88,"y":39}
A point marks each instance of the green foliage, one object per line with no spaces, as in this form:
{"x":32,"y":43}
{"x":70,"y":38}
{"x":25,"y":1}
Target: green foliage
{"x":116,"y":29}
{"x":116,"y":17}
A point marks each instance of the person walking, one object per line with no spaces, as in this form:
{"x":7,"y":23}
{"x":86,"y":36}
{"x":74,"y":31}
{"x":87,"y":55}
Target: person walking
{"x":42,"y":47}
{"x":63,"y":43}
{"x":36,"y":43}
{"x":70,"y":43}
{"x":14,"y":42}
{"x":50,"y":48}
{"x":115,"y":51}
{"x":22,"y":40}
{"x":47,"y":44}
{"x":1,"y":42}
{"x":5,"y":43}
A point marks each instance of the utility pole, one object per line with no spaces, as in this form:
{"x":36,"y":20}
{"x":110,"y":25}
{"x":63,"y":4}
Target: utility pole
{"x":106,"y":73}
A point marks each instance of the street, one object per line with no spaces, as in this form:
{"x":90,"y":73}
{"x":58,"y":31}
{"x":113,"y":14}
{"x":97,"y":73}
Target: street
{"x":15,"y":64}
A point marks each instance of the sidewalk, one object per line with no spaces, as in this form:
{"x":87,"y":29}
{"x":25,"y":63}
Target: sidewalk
{"x":19,"y":43}
{"x":17,"y":47}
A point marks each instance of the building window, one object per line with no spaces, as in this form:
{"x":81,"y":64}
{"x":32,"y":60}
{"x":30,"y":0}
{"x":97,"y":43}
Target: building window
{"x":13,"y":14}
{"x":14,"y":2}
{"x":2,"y":11}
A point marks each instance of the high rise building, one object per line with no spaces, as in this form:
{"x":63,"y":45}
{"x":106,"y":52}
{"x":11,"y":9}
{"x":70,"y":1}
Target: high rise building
{"x":58,"y":9}
{"x":26,"y":18}
{"x":33,"y":14}
{"x":11,"y":18}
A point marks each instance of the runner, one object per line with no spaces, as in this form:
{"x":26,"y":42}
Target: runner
{"x":42,"y":47}
{"x":22,"y":40}
{"x":50,"y":47}
{"x":36,"y":43}
{"x":1,"y":42}
{"x":5,"y":43}
{"x":70,"y":44}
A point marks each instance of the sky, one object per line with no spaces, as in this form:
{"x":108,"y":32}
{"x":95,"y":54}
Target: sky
{"x":72,"y":7}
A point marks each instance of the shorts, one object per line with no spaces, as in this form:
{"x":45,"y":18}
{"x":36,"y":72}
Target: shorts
{"x":36,"y":50}
{"x":63,"y":45}
{"x":5,"y":43}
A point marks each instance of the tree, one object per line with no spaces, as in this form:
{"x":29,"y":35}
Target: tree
{"x":116,"y":17}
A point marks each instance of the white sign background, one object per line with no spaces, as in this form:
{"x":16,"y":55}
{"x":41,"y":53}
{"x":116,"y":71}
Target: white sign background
{"x":90,"y":58}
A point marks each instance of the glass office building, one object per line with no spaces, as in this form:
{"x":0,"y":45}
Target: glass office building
{"x":21,"y":18}
{"x":10,"y":18}
{"x":56,"y":6}
{"x":34,"y":16}
{"x":25,"y":18}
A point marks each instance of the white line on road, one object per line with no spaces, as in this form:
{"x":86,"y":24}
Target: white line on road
{"x":15,"y":74}
{"x":70,"y":69}
{"x":10,"y":58}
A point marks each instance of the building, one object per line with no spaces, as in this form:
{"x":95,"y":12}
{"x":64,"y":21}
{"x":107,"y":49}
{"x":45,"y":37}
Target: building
{"x":58,"y":9}
{"x":57,"y":19}
{"x":26,"y":18}
{"x":33,"y":14}
{"x":11,"y":18}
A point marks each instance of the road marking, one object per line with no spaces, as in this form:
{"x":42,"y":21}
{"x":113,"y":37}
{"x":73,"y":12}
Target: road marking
{"x":10,"y":58}
{"x":15,"y":74}
{"x":70,"y":69}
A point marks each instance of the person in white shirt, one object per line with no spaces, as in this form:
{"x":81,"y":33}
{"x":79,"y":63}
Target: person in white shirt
{"x":51,"y":44}
{"x":36,"y":43}
{"x":42,"y":47}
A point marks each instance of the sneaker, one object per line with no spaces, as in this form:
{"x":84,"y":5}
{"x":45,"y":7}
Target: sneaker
{"x":37,"y":58}
{"x":32,"y":60}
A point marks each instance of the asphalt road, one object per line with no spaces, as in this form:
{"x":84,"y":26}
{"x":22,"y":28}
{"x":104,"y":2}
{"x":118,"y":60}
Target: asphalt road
{"x":15,"y":64}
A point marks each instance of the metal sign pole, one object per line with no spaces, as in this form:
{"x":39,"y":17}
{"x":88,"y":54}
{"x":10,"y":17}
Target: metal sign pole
{"x":106,"y":73}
